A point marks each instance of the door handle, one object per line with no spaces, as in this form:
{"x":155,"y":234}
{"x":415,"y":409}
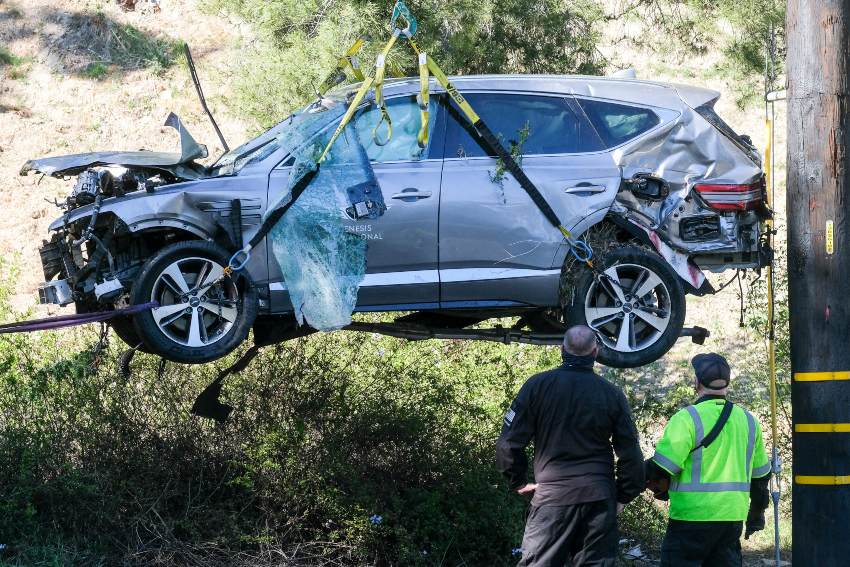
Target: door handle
{"x":412,"y":193}
{"x":586,"y":188}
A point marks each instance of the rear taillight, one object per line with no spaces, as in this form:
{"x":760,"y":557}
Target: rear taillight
{"x":729,"y":197}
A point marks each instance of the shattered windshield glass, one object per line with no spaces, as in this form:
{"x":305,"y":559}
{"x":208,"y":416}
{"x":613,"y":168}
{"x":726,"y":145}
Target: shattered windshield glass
{"x":289,"y":134}
{"x":322,"y":262}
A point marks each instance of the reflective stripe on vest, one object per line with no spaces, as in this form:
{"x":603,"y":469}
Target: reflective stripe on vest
{"x":696,"y":484}
{"x":672,"y":467}
{"x":761,"y":471}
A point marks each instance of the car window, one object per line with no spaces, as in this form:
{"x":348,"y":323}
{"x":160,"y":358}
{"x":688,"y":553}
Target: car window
{"x":618,"y":123}
{"x":406,"y":121}
{"x":549,"y":123}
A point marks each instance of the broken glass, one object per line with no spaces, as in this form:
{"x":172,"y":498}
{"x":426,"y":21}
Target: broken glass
{"x":323,"y":264}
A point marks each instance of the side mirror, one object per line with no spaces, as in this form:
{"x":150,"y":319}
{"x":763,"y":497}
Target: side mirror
{"x":646,"y":186}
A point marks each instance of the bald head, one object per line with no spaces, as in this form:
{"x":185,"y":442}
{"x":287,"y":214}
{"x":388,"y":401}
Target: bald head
{"x":580,"y":340}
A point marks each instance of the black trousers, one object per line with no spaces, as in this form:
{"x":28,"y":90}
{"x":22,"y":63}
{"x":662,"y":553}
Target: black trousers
{"x":585,"y":533}
{"x":702,"y":544}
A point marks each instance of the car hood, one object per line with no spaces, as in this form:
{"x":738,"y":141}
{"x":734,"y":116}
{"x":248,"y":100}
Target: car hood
{"x":177,"y":163}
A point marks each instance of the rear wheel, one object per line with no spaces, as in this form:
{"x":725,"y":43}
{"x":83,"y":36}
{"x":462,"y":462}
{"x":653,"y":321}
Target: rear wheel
{"x":636,"y":305}
{"x":202,"y":314}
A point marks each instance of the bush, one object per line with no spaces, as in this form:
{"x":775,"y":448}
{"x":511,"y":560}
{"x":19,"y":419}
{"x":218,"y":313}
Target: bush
{"x":301,"y":41}
{"x":344,"y":447}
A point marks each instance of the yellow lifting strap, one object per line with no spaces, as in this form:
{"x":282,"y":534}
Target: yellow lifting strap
{"x":578,"y":248}
{"x":380,"y":72}
{"x":368,"y":83}
{"x":338,"y":74}
{"x":424,"y":96}
{"x":346,"y":118}
{"x":771,"y":346}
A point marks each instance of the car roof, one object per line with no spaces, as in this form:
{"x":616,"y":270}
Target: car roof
{"x":654,"y":93}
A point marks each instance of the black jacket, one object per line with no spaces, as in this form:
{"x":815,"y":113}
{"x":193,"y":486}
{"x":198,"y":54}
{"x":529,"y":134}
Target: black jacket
{"x":575,"y":419}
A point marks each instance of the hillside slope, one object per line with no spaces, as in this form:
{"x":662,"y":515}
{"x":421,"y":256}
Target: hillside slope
{"x":89,"y":76}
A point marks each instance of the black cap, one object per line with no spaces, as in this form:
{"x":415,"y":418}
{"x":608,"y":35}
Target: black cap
{"x":709,"y":368}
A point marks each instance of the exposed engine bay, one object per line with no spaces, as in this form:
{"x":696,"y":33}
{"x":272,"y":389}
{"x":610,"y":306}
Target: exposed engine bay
{"x":94,"y":256}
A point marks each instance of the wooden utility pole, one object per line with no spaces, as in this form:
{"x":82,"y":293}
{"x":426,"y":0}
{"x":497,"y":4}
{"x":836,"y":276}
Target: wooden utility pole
{"x":818,"y":63}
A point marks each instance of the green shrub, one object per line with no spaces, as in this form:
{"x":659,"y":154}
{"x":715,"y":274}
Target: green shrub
{"x":96,"y":71}
{"x":135,"y":48}
{"x":300,"y":42}
{"x":330,"y":431}
{"x":8,"y":58}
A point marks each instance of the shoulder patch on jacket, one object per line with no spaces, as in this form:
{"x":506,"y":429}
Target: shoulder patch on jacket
{"x":509,"y":417}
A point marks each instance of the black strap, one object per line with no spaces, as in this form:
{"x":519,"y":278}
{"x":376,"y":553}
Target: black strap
{"x":491,"y":143}
{"x":278,"y":213}
{"x":718,"y":427}
{"x":207,"y":403}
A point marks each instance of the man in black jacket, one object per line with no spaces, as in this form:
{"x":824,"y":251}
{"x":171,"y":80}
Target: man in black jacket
{"x":575,"y":418}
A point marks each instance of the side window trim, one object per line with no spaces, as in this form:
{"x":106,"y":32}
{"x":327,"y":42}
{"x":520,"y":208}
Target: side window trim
{"x":567,"y":99}
{"x":652,"y":109}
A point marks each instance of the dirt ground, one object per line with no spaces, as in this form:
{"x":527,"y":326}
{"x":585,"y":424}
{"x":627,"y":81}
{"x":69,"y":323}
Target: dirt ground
{"x":50,"y":105}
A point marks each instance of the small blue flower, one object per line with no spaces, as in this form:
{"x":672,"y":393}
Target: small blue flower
{"x":381,"y":352}
{"x":376,"y":519}
{"x":516,"y":551}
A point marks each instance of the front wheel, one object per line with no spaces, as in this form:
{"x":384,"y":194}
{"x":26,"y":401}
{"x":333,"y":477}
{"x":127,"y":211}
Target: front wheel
{"x":635,"y":303}
{"x":202,"y":314}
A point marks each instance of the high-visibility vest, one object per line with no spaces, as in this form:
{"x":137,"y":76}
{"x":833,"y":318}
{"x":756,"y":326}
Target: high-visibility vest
{"x":711,"y":483}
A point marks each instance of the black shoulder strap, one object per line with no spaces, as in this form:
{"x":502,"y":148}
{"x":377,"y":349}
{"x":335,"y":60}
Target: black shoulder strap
{"x":718,"y":427}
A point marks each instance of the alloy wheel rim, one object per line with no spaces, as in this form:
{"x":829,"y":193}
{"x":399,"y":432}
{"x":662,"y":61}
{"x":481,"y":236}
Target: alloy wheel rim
{"x":629,"y":307}
{"x":196,"y":307}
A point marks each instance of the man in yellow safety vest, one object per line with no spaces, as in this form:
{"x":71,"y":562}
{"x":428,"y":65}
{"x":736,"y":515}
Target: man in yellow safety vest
{"x":712,"y":463}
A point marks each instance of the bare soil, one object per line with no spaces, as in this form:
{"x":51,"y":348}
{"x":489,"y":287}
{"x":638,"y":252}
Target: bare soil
{"x":49,"y":105}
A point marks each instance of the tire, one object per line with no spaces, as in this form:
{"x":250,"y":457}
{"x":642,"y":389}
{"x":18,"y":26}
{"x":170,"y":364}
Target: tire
{"x":633,"y":331}
{"x":214,"y":321}
{"x":126,"y":331}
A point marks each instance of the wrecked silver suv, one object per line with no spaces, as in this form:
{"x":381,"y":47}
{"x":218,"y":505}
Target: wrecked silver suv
{"x":648,"y":173}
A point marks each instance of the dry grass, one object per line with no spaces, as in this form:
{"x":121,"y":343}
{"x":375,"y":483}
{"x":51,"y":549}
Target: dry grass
{"x":54,"y":108}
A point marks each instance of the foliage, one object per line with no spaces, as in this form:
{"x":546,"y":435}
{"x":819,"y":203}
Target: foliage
{"x":8,"y":58}
{"x":16,"y":66}
{"x":95,"y":45}
{"x":739,"y":30}
{"x":301,"y":41}
{"x":345,"y":447}
{"x":96,"y":71}
{"x":515,"y":147}
{"x":135,"y":48}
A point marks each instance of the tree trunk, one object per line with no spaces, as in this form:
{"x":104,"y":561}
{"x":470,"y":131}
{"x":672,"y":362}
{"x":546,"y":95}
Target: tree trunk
{"x":818,"y":38}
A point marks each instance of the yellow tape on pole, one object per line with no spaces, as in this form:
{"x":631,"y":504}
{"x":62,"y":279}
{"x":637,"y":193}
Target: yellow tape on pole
{"x":823,"y":480}
{"x":821,"y":376}
{"x":771,"y":344}
{"x":822,"y":428}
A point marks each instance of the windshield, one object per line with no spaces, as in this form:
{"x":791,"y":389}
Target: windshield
{"x":288,"y":134}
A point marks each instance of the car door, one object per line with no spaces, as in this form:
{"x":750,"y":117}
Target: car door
{"x":401,"y":269}
{"x":401,"y":261}
{"x":495,"y":244}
